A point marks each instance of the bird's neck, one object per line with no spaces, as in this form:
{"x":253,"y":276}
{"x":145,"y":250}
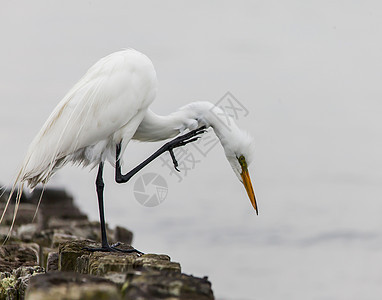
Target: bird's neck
{"x":196,"y":114}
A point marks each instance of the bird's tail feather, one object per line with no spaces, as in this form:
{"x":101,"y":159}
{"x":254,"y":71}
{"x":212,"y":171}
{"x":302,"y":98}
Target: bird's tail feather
{"x":34,"y":171}
{"x":17,"y":187}
{"x":38,"y":203}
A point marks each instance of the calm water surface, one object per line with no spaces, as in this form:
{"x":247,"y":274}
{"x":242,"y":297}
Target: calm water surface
{"x":309,"y":76}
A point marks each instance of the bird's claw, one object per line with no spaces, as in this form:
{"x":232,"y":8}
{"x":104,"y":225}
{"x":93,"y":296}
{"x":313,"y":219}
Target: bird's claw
{"x":174,"y":161}
{"x":184,"y":140}
{"x":189,"y":141}
{"x":112,"y":248}
{"x":115,"y":244}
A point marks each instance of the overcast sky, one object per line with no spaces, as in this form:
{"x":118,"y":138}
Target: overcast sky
{"x":308,"y":72}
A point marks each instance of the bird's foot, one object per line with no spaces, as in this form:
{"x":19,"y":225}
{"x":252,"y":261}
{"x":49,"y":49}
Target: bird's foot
{"x":182,"y":140}
{"x":112,"y":248}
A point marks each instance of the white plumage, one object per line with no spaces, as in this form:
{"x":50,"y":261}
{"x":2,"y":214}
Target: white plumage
{"x":110,"y":105}
{"x":104,"y":107}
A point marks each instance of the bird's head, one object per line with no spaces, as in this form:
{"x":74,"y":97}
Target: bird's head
{"x":238,"y":147}
{"x":238,"y":144}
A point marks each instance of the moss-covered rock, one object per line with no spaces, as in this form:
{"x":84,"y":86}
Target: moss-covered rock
{"x":166,"y":285}
{"x":59,"y":240}
{"x":74,"y":257}
{"x":156,"y":262}
{"x":13,"y":284}
{"x":70,"y":285}
{"x":8,"y":287}
{"x":102,"y":263}
{"x":16,"y":255}
{"x":70,"y":251}
{"x":52,"y":261}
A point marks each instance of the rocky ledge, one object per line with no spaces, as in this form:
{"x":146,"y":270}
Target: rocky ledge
{"x":47,"y":259}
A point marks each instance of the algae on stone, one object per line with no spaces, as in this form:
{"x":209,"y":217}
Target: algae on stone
{"x":70,"y":285}
{"x":70,"y":251}
{"x":15,"y":255}
{"x":166,"y":285}
{"x":13,"y":284}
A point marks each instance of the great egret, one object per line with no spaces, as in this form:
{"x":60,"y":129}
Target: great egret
{"x":107,"y":108}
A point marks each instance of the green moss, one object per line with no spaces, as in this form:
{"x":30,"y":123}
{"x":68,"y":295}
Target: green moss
{"x":6,"y":284}
{"x":124,"y":288}
{"x":68,"y":254}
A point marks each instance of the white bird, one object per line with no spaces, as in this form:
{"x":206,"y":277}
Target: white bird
{"x":106,"y":109}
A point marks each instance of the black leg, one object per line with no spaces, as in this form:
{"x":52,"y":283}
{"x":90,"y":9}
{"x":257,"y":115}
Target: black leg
{"x":100,"y":187}
{"x":105,"y":245}
{"x":180,"y":141}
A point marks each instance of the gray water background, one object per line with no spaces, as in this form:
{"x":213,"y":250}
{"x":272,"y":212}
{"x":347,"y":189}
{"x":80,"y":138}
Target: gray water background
{"x":309,"y":73}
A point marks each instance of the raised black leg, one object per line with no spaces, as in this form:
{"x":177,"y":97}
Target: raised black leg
{"x":182,"y":140}
{"x":192,"y":136}
{"x":105,"y":245}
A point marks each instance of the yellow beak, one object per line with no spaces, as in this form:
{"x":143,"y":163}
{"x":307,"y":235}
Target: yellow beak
{"x":248,"y":186}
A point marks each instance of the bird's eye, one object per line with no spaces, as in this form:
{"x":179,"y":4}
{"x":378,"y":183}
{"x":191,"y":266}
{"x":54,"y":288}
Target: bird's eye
{"x":242,"y":161}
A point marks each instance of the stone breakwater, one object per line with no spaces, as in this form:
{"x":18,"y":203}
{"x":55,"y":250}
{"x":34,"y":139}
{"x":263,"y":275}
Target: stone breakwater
{"x":45,"y":259}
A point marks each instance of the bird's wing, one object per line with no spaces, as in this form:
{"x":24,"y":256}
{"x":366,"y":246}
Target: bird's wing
{"x":107,"y":98}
